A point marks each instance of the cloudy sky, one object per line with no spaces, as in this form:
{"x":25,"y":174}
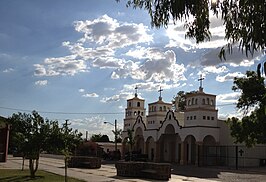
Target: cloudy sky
{"x":80,"y":60}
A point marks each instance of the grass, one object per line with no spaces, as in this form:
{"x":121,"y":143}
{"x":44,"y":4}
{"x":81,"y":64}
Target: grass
{"x":16,"y":175}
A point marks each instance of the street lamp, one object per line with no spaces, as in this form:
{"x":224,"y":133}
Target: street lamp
{"x":115,"y":125}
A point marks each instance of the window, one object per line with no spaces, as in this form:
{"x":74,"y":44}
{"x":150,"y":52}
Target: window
{"x":212,"y":118}
{"x":208,"y":101}
{"x":192,"y":101}
{"x":204,"y":117}
{"x":203,"y":101}
{"x":135,"y":113}
{"x":212,"y":102}
{"x":189,"y":102}
{"x":154,"y":108}
{"x":141,"y":113}
{"x":129,"y":104}
{"x":161,"y":108}
{"x":196,"y":101}
{"x":170,"y":117}
{"x":164,"y":108}
{"x":208,"y":117}
{"x":188,"y":118}
{"x":160,"y":122}
{"x":138,"y":112}
{"x":195,"y":117}
{"x":138,"y":104}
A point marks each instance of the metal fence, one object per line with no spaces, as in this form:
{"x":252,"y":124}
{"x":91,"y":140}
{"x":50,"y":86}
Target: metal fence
{"x":232,"y":156}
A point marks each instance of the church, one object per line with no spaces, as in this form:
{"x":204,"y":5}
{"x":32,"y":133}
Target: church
{"x":191,"y":137}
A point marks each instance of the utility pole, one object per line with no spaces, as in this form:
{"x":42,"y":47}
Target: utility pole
{"x":116,"y":135}
{"x":66,"y":150}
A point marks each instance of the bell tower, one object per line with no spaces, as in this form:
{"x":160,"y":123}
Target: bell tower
{"x":135,"y":108}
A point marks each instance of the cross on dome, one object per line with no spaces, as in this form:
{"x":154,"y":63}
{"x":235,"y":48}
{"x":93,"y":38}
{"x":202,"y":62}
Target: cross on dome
{"x":160,"y":98}
{"x":200,"y":80}
{"x":136,"y":91}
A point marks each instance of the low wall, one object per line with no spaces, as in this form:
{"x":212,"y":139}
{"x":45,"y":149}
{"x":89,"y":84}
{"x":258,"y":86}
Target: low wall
{"x":84,"y":162}
{"x":161,"y":171}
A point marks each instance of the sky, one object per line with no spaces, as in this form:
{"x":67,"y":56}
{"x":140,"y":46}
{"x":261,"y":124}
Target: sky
{"x":81,"y":60}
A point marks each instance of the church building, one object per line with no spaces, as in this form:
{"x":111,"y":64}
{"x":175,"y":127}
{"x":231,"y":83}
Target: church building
{"x":165,"y":134}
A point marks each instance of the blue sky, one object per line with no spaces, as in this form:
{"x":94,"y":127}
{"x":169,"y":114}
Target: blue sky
{"x":80,"y":60}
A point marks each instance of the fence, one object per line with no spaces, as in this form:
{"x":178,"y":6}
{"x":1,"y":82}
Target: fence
{"x":232,"y":156}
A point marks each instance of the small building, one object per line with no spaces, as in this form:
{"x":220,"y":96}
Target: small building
{"x":109,"y":146}
{"x":4,"y":138}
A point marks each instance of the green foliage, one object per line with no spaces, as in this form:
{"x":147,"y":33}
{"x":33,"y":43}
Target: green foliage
{"x":244,"y":20}
{"x":31,"y":134}
{"x":251,"y":129}
{"x":252,"y":88}
{"x":99,"y":138}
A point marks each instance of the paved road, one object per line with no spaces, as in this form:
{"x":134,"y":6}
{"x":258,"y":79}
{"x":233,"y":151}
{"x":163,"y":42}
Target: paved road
{"x":107,"y":173}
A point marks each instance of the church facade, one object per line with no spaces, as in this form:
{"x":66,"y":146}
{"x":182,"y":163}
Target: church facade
{"x":166,"y":134}
{"x":194,"y":136}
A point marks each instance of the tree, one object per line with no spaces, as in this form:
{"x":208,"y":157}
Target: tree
{"x":244,"y":20}
{"x":180,"y":101}
{"x":130,"y":140}
{"x":31,"y":133}
{"x":251,"y":129}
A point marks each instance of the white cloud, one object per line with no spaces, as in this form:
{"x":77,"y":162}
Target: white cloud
{"x":81,"y":90}
{"x":229,"y":77}
{"x":108,"y":32}
{"x":156,"y":70}
{"x":244,"y":63}
{"x":215,"y":69}
{"x":176,"y":35}
{"x":228,"y":98}
{"x":90,"y":95}
{"x":8,"y":70}
{"x":67,"y":65}
{"x":237,"y":58}
{"x":41,"y":82}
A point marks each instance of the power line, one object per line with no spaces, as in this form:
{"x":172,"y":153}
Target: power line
{"x":59,"y":112}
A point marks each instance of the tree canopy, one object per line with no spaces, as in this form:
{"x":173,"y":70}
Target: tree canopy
{"x":244,"y":20}
{"x":31,"y":134}
{"x":251,"y":129}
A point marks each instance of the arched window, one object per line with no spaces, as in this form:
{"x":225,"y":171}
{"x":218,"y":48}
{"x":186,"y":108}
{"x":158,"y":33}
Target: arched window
{"x":212,"y":102}
{"x":196,"y":101}
{"x":141,"y":113}
{"x":192,"y":101}
{"x":138,"y":104}
{"x":154,"y":108}
{"x":129,"y":104}
{"x":189,"y":102}
{"x":203,"y":101}
{"x":161,"y":109}
{"x":208,"y":101}
{"x":170,"y":117}
{"x":164,"y":108}
{"x":138,"y":112}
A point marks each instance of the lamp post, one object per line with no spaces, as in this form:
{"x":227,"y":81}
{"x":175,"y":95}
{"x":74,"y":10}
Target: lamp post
{"x":115,"y":125}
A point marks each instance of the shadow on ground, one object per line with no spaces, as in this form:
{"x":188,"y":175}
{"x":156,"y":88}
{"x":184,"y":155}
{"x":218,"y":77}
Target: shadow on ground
{"x":212,"y":172}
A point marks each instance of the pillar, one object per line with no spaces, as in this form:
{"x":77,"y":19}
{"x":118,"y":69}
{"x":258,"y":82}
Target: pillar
{"x":183,"y":158}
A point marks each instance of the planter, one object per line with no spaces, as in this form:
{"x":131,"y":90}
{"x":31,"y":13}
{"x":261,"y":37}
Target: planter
{"x":84,"y":162}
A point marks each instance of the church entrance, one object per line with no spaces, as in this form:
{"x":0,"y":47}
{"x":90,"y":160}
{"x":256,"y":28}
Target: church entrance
{"x":139,"y":141}
{"x":150,"y":145}
{"x":169,"y":145}
{"x":190,"y":150}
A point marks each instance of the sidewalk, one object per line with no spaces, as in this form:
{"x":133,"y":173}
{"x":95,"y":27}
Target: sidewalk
{"x":107,"y":172}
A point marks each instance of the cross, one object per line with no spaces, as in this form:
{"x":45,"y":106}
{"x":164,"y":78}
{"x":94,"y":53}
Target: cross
{"x":136,"y":91}
{"x":201,"y":79}
{"x":241,"y":152}
{"x":160,"y":91}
